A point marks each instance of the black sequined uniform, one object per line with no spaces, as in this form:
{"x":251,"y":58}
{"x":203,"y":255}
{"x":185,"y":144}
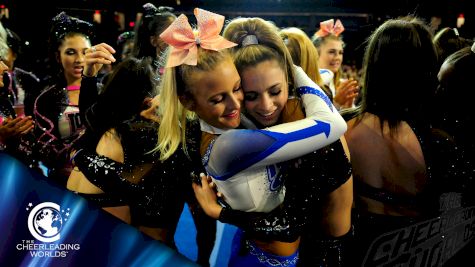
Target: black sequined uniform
{"x":444,"y":176}
{"x":155,"y":190}
{"x":52,"y":148}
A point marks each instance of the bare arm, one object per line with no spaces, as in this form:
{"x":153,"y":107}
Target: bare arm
{"x":109,"y":146}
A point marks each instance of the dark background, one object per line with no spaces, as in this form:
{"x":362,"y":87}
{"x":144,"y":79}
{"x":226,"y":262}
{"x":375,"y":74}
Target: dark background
{"x":30,"y":19}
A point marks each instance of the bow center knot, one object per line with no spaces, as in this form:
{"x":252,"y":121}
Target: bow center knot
{"x":196,"y":33}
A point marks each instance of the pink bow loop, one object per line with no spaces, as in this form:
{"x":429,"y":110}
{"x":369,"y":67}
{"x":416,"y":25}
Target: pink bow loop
{"x":209,"y":27}
{"x":330,"y":27}
{"x":184,"y":41}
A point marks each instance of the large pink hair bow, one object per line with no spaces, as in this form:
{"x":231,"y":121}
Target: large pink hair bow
{"x":330,"y":27}
{"x":184,"y":41}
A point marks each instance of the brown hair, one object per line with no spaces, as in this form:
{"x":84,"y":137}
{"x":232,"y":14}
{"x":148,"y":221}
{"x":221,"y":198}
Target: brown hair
{"x":270,"y":46}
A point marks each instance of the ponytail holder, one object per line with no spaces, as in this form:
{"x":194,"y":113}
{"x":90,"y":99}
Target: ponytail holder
{"x":330,"y":27}
{"x":250,"y":39}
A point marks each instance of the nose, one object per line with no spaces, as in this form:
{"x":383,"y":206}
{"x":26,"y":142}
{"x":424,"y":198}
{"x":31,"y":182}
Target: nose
{"x":3,"y":67}
{"x":235,"y":102}
{"x":339,"y":56}
{"x":80,"y":57}
{"x":266,"y":103}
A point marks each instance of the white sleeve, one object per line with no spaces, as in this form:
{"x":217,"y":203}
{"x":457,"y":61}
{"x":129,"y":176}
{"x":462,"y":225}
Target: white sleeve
{"x":237,"y":150}
{"x":327,"y":78}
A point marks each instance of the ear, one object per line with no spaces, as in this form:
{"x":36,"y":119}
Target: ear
{"x":154,"y":41}
{"x":14,"y":56}
{"x":58,"y":58}
{"x":187,"y":102}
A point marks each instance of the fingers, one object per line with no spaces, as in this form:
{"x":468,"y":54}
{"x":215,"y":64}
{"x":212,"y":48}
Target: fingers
{"x":156,"y":101}
{"x":19,"y":122}
{"x":26,"y":127}
{"x":96,"y":57}
{"x":105,"y":51}
{"x":18,"y":126}
{"x":10,"y":123}
{"x":352,"y":95}
{"x":148,"y":101}
{"x":207,"y":185}
{"x":196,"y":187}
{"x":212,"y":186}
{"x":349,"y":89}
{"x":27,"y":130}
{"x":204,"y":180}
{"x":105,"y":46}
{"x":99,"y":55}
{"x":348,"y":85}
{"x":150,"y":114}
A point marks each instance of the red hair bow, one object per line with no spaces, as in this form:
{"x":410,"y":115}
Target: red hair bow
{"x":330,"y":27}
{"x":184,"y":40}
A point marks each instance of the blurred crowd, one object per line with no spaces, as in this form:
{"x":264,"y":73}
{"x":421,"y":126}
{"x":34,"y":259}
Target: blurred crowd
{"x":263,"y":127}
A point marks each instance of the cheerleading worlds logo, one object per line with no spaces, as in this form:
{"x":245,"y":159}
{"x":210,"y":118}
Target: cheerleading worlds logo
{"x":45,"y":223}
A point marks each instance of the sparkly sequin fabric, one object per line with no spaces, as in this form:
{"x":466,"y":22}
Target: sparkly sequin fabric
{"x":254,"y":256}
{"x":51,"y":147}
{"x":20,"y":148}
{"x":444,"y":167}
{"x":23,"y":81}
{"x":6,"y":107}
{"x":156,"y":191}
{"x":313,"y":177}
{"x":63,"y":24}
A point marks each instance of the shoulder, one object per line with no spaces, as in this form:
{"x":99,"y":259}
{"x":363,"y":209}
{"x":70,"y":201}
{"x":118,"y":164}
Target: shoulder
{"x":49,"y":95}
{"x":110,"y":146}
{"x":50,"y":89}
{"x":353,"y":124}
{"x":23,"y":74}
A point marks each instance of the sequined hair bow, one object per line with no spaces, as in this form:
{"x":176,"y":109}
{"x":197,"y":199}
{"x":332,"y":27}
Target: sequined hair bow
{"x":150,"y":10}
{"x":124,"y":37}
{"x":184,"y":41}
{"x":330,"y":27}
{"x":64,"y":24}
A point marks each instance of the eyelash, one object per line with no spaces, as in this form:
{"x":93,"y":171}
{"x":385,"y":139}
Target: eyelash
{"x":222,"y":98}
{"x":336,"y":53}
{"x":275,"y":93}
{"x":217,"y":101}
{"x":250,"y":97}
{"x":72,"y":52}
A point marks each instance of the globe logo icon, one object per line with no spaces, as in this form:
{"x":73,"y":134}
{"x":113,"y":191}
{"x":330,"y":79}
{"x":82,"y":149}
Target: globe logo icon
{"x":45,"y":222}
{"x":48,"y":222}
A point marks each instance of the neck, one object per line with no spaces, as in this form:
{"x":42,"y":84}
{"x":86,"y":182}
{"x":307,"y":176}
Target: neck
{"x":205,"y":127}
{"x":73,"y":81}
